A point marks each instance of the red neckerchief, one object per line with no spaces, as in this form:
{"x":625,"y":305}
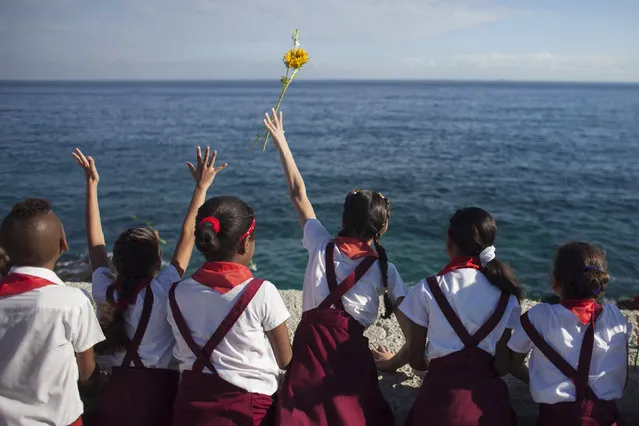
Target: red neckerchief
{"x":124,"y":302}
{"x":222,"y":276}
{"x":14,"y":284}
{"x":354,"y":248}
{"x":585,"y":309}
{"x":461,"y":262}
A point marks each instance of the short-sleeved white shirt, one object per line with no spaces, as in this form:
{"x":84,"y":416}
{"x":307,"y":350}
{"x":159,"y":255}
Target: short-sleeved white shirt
{"x":156,"y":348}
{"x":362,"y":301}
{"x":245,"y":357}
{"x":40,"y":332}
{"x":472,"y":297}
{"x":563,"y":331}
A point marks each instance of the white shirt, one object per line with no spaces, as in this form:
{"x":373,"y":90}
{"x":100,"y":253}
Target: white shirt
{"x":472,"y":297}
{"x":362,"y":301}
{"x":563,"y":331}
{"x":245,"y":357}
{"x":156,"y":348}
{"x":40,"y":332}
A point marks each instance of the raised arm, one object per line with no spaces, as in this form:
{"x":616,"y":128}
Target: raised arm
{"x":296,"y":186}
{"x":203,"y":175}
{"x":95,"y":236}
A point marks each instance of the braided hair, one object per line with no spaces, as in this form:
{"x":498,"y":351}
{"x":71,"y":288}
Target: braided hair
{"x":365,"y":216}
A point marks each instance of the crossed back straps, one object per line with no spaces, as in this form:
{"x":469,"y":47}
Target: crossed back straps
{"x":578,"y":376}
{"x":133,"y":345}
{"x":469,"y":341}
{"x":337,"y":291}
{"x":203,"y":354}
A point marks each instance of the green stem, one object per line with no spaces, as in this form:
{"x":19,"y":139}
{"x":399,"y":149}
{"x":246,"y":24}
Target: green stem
{"x":279,"y":102}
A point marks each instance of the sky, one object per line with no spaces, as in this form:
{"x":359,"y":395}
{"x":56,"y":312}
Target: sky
{"x":557,"y":40}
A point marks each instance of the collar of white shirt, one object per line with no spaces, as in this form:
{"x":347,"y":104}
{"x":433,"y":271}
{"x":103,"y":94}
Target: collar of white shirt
{"x":45,"y":273}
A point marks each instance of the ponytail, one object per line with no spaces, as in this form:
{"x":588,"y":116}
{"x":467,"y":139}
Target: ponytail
{"x":111,"y":319}
{"x":383,"y":266}
{"x":502,"y":276}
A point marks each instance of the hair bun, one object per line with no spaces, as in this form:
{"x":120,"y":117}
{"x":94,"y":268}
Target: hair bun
{"x":206,"y":238}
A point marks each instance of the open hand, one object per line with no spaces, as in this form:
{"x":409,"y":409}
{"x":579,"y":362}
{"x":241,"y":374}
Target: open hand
{"x":205,"y":172}
{"x":88,"y":164}
{"x":275,"y":126}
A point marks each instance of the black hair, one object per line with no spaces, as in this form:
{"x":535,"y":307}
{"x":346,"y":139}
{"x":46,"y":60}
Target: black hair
{"x":235,"y":218}
{"x":581,"y":270}
{"x":29,"y":235}
{"x":5,"y":263}
{"x":365,"y":217}
{"x":136,"y":256}
{"x":472,"y":230}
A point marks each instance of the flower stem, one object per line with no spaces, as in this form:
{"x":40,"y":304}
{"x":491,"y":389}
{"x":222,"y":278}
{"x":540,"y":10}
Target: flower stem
{"x":279,"y":102}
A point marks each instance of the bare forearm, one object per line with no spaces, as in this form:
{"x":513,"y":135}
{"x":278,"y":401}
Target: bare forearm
{"x":296,"y":186}
{"x":93,"y":223}
{"x":184,"y":247}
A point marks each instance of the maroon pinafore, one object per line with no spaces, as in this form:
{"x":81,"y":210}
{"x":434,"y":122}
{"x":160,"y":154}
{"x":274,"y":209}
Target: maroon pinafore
{"x":137,"y":396}
{"x":207,"y":399}
{"x":588,"y":409}
{"x":462,"y":388}
{"x":332,"y":380}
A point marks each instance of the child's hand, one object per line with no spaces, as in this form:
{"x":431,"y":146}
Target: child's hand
{"x":275,"y":126}
{"x":205,"y":172}
{"x":87,"y":163}
{"x":382,"y":356}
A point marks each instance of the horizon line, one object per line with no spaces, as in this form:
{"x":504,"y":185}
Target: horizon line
{"x":313,"y":80}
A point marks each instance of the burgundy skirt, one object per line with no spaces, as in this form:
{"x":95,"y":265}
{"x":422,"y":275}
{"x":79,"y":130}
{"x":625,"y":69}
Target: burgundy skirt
{"x":332,"y":380}
{"x":587,"y":413}
{"x":137,"y":396}
{"x":207,"y":399}
{"x":462,"y":389}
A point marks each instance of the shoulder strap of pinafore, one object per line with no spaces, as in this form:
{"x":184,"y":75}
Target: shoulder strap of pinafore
{"x":203,"y":355}
{"x":469,"y":341}
{"x":133,"y":345}
{"x":337,"y":291}
{"x":578,"y":376}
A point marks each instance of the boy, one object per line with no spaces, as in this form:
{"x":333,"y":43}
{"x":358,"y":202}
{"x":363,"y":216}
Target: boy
{"x":47,"y":330}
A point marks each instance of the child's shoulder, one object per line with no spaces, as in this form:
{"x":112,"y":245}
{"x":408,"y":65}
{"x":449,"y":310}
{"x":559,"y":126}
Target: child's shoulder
{"x":63,"y":297}
{"x":612,"y":312}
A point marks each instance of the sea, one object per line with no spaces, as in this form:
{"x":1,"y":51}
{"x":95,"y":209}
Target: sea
{"x":553,"y":162}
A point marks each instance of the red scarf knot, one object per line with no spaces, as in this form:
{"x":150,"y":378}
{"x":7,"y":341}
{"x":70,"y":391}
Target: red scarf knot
{"x":222,"y":276}
{"x":586,"y":310}
{"x":354,"y":248}
{"x":461,"y":262}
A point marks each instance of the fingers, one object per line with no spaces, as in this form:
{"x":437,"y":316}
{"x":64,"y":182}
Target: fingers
{"x":207,"y":152}
{"x":199,"y":157}
{"x":80,"y":158}
{"x":191,"y":168}
{"x":91,"y":163}
{"x":220,"y":168}
{"x":281,"y":118}
{"x":212,"y":160}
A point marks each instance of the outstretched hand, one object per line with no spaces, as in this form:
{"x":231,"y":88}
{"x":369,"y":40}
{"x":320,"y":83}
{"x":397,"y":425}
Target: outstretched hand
{"x":88,"y":164}
{"x":275,"y":126}
{"x":205,"y":171}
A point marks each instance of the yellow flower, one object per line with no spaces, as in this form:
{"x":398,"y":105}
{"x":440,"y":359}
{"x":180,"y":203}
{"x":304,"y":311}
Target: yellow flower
{"x":295,"y":58}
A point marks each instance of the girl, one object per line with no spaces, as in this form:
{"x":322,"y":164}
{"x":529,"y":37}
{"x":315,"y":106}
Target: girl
{"x":230,"y":328}
{"x":139,"y":339}
{"x":332,"y":379}
{"x":467,"y":309}
{"x":579,"y":361}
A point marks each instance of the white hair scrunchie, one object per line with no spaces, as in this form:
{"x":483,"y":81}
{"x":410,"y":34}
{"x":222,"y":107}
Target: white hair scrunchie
{"x":487,"y":255}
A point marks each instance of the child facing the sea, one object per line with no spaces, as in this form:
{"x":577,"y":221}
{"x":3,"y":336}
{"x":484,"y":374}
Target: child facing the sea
{"x":332,"y":379}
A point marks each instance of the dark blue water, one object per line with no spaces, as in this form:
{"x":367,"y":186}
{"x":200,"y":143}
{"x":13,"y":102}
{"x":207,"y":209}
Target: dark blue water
{"x":552,"y":162}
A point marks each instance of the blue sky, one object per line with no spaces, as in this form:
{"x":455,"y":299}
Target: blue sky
{"x":585,"y":40}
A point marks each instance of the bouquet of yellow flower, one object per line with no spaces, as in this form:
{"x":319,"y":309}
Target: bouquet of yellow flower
{"x":294,"y":60}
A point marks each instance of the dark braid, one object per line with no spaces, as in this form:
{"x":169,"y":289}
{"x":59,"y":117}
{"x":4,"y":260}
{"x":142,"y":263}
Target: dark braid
{"x":383,"y":266}
{"x":365,"y":216}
